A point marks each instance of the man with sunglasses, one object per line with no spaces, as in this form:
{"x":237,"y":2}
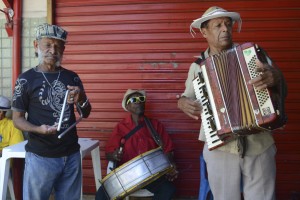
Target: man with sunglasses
{"x":141,"y":140}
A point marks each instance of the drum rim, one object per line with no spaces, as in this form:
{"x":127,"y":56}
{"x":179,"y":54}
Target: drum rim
{"x":129,"y":162}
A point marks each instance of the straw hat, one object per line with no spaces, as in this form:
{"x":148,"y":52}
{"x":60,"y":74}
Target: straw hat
{"x":128,"y":93}
{"x":215,"y":12}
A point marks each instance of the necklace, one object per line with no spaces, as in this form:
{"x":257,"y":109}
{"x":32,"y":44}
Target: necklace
{"x":49,"y":82}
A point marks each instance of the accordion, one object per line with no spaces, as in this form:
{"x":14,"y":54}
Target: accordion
{"x":231,"y":106}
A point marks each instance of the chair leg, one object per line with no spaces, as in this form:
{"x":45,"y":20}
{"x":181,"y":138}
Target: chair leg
{"x":11,"y":188}
{"x":81,"y":195}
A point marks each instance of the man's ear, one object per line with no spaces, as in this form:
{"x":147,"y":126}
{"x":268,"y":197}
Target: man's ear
{"x":35,"y":45}
{"x":204,"y":32}
{"x":63,"y":44}
{"x":126,"y":106}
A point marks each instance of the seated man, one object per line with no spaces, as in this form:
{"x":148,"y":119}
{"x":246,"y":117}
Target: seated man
{"x":9,"y":135}
{"x":140,"y":141}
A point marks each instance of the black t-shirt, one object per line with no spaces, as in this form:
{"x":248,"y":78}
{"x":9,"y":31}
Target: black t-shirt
{"x":41,"y":95}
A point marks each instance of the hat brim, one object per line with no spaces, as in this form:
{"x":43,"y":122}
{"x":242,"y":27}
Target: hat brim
{"x":233,"y":15}
{"x":142,"y":92}
{"x":53,"y":37}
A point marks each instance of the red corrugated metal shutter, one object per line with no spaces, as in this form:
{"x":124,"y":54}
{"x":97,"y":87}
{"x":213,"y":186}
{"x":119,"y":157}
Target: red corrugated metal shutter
{"x":116,"y":45}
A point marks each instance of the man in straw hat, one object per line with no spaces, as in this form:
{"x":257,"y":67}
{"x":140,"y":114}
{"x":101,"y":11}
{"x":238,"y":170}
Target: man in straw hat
{"x":52,"y":162}
{"x":9,"y":134}
{"x":132,"y":137}
{"x":248,"y":160}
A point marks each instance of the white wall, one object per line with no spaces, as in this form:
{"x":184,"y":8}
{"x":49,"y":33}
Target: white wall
{"x":34,"y":13}
{"x":31,"y":9}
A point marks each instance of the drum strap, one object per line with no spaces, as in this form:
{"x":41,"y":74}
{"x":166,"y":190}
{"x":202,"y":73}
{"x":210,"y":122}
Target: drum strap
{"x":153,"y":132}
{"x":133,"y":131}
{"x":126,"y":137}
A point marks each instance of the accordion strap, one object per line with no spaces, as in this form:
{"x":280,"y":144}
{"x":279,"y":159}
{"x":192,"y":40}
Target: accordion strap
{"x":199,"y":60}
{"x":278,"y":92}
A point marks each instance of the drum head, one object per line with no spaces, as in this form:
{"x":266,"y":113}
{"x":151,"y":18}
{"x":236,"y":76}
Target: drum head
{"x":136,"y":173}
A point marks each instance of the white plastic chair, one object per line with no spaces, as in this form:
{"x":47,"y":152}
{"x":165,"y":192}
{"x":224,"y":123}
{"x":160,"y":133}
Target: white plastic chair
{"x":10,"y":186}
{"x":138,"y":193}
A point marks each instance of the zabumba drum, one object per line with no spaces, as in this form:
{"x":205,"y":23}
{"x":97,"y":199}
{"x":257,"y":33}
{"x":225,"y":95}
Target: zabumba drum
{"x":136,"y":173}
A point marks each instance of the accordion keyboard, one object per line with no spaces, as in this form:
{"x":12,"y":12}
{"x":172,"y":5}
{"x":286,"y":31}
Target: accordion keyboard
{"x":207,"y":117}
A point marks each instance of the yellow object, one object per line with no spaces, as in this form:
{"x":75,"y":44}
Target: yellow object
{"x":9,"y":134}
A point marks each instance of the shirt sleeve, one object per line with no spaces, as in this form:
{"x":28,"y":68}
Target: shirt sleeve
{"x":192,"y":74}
{"x":20,"y":99}
{"x":78,"y":81}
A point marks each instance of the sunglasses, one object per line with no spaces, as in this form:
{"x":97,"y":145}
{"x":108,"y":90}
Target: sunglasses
{"x":136,"y":99}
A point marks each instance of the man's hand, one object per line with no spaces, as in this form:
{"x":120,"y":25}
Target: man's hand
{"x":269,"y":77}
{"x":47,"y":130}
{"x":192,"y":108}
{"x":173,"y":174}
{"x":117,"y":155}
{"x":74,"y":94}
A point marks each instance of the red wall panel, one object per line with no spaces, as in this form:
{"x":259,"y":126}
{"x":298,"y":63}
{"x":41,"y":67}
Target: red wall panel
{"x":116,"y":45}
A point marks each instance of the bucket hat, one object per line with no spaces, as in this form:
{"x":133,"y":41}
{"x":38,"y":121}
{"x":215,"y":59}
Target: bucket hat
{"x":4,"y":103}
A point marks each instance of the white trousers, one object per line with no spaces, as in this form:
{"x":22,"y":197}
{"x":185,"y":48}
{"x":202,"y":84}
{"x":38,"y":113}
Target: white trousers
{"x":226,"y":172}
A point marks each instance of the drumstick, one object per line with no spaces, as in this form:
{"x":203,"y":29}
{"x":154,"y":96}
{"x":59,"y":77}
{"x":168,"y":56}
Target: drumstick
{"x":122,"y":142}
{"x":63,"y":133}
{"x":62,"y":111}
{"x":76,"y":122}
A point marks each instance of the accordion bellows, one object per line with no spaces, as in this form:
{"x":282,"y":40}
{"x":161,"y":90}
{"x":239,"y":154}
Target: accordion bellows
{"x":231,"y":106}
